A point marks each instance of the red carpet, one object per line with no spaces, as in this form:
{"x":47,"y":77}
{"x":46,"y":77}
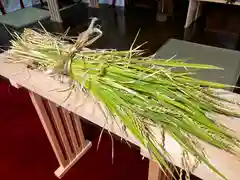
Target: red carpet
{"x":27,"y":155}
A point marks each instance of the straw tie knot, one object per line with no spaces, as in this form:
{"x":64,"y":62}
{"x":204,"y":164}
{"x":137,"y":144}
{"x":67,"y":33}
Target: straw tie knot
{"x":84,"y":39}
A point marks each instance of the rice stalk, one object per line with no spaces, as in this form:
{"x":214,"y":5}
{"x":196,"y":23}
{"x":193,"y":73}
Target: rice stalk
{"x":142,"y":92}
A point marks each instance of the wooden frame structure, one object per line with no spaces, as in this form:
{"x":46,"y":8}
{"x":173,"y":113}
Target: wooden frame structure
{"x":64,"y":132}
{"x":195,"y":7}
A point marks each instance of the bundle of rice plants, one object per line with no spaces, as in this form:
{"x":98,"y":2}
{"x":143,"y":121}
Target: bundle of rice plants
{"x":142,"y":92}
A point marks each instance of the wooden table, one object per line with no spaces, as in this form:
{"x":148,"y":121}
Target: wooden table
{"x":195,"y":6}
{"x":60,"y":119}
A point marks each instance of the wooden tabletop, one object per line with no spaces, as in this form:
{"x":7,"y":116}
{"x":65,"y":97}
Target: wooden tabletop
{"x":89,"y":109}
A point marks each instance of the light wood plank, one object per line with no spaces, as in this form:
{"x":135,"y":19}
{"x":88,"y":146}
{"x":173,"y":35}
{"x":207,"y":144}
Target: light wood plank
{"x":70,"y":128}
{"x":155,"y":173}
{"x":39,"y":106}
{"x":60,"y":127}
{"x":14,"y":84}
{"x":79,"y":130}
{"x":61,"y":171}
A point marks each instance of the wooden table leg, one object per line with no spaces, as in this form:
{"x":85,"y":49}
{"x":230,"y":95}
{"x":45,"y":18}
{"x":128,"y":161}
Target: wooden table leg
{"x":194,"y":11}
{"x":155,"y":173}
{"x":64,"y":131}
{"x":54,"y":10}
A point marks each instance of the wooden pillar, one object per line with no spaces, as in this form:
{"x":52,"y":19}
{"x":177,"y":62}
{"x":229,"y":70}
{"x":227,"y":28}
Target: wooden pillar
{"x":54,"y":10}
{"x":64,"y":131}
{"x":194,"y":11}
{"x":94,"y":3}
{"x":155,"y":173}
